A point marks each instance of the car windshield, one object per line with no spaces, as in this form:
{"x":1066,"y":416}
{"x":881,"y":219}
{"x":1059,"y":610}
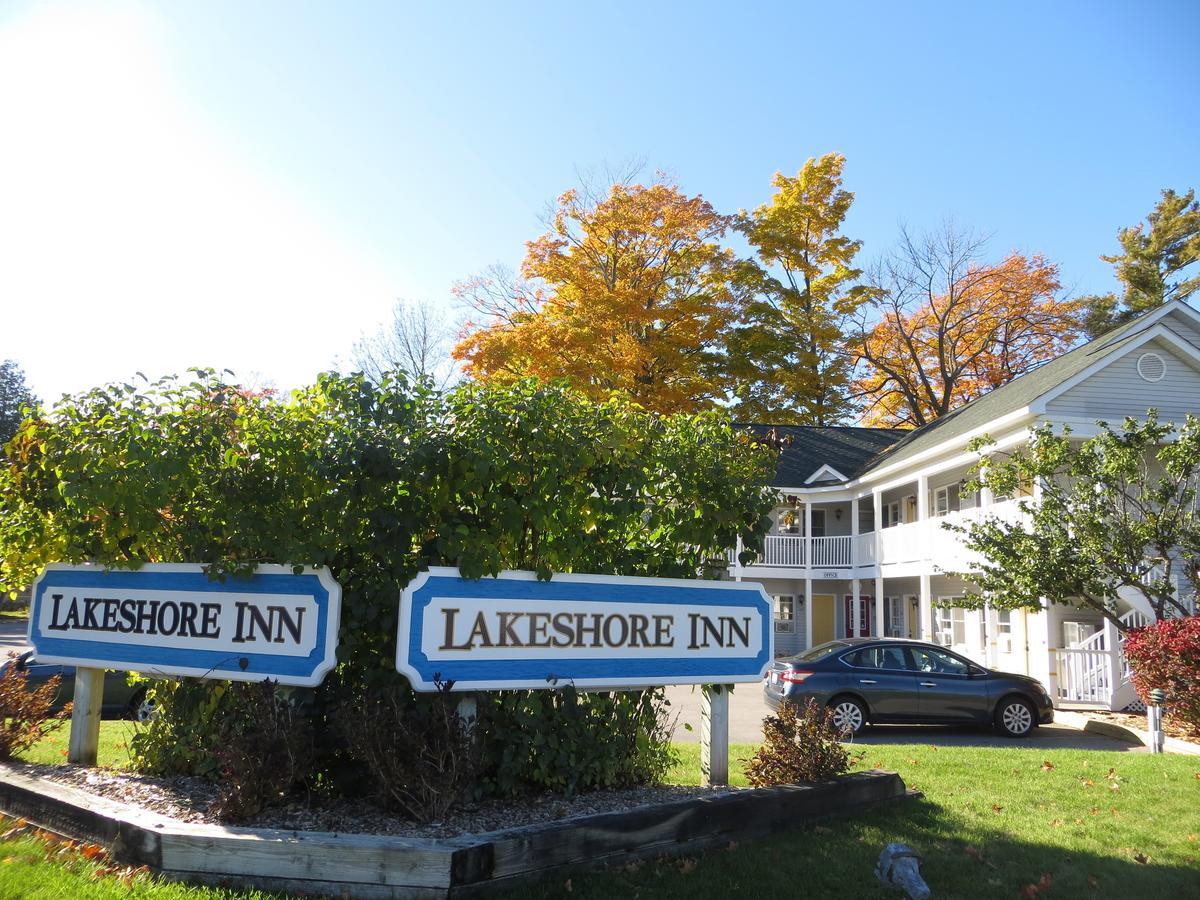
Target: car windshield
{"x":820,"y":651}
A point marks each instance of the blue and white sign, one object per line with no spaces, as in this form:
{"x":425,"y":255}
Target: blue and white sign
{"x":170,"y":619}
{"x":593,"y":631}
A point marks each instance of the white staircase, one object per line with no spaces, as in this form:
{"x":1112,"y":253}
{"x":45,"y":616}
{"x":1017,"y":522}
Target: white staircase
{"x":1094,"y":674}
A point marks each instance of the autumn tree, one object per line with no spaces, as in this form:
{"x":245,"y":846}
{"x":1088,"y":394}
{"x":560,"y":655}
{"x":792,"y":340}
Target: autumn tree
{"x":790,"y":362}
{"x":631,"y":293}
{"x":417,"y":342}
{"x":950,"y":327}
{"x":1151,"y":263}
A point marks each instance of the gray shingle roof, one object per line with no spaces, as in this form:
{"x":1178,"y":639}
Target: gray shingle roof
{"x":845,"y":448}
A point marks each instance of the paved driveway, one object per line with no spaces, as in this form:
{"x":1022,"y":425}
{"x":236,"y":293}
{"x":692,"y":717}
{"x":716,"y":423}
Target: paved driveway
{"x":747,"y":709}
{"x":12,"y":635}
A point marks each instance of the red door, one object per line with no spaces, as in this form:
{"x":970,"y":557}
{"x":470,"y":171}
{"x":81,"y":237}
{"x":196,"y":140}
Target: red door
{"x":864,"y":622}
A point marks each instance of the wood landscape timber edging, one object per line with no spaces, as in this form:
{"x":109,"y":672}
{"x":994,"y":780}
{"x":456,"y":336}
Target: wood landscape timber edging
{"x":379,"y":866}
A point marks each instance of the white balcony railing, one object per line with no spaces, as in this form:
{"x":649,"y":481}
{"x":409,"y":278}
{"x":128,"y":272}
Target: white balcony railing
{"x":912,"y":542}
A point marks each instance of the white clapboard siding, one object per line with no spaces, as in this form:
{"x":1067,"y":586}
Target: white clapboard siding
{"x":1117,"y":390}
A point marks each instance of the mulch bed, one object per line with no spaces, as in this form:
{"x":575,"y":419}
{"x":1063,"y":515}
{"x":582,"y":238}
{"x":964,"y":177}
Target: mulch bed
{"x":188,"y":799}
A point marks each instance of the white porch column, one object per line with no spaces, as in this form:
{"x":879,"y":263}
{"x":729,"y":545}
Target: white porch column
{"x":1112,"y":664}
{"x":853,"y":529}
{"x":925,"y":610}
{"x":922,"y":498}
{"x":808,"y":556}
{"x":737,"y":560}
{"x":808,"y":606}
{"x":855,"y":606}
{"x":880,"y":625}
{"x":877,"y":509}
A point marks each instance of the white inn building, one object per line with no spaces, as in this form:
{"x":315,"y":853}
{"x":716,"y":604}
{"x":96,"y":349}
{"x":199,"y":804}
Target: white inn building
{"x":858,"y":548}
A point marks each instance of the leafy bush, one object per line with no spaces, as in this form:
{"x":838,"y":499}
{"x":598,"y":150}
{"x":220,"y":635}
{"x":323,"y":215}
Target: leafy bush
{"x":375,"y":481}
{"x":1167,"y":655}
{"x":568,"y":742}
{"x":799,"y":746}
{"x":25,"y":716}
{"x":422,"y":757}
{"x":266,"y":750}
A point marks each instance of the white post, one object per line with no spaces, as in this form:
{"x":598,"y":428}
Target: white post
{"x":854,"y":531}
{"x":85,"y":716}
{"x":880,"y":625}
{"x":1112,"y":660}
{"x":808,"y":610}
{"x":855,"y":607}
{"x":468,"y":711}
{"x":808,"y":544}
{"x":925,"y":610}
{"x":737,"y":560}
{"x":714,"y":734}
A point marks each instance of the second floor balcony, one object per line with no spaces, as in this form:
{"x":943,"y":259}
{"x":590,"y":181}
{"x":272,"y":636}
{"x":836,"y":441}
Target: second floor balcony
{"x":923,"y":541}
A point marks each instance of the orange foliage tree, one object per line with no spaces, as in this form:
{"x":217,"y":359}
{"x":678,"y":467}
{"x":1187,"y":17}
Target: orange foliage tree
{"x":630,"y":292}
{"x":951,"y":328}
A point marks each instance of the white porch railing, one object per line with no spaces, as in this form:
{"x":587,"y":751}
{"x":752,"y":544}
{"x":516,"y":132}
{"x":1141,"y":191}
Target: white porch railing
{"x":864,"y":549}
{"x":1085,"y":676}
{"x":1092,"y":672}
{"x":795,"y":551}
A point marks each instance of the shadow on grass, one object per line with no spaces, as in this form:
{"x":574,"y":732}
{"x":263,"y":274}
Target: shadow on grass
{"x":837,"y":859}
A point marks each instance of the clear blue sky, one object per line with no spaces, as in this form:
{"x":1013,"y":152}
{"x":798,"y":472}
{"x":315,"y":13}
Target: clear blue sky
{"x":252,"y":184}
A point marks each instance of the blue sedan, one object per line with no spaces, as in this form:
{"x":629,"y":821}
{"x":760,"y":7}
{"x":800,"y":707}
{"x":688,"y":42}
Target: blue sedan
{"x":897,"y":681}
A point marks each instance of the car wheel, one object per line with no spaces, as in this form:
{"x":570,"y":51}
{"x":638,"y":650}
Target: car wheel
{"x":848,"y":715}
{"x":141,"y":707}
{"x":1014,"y":717}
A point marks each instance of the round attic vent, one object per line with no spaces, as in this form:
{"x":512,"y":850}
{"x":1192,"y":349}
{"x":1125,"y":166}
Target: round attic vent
{"x":1151,"y":367}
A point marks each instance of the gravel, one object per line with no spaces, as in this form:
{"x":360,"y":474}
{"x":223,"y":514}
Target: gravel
{"x":188,"y":799}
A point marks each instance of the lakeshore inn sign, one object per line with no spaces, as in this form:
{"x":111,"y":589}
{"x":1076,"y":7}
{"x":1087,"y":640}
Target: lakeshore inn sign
{"x":592,"y":631}
{"x":510,"y":631}
{"x":171,"y":619}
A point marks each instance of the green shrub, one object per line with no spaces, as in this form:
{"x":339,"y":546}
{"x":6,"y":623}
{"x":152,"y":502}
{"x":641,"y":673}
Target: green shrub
{"x":798,"y":746}
{"x":568,"y":742}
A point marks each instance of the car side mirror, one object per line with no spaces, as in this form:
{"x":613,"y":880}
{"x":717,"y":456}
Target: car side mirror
{"x":976,"y":671}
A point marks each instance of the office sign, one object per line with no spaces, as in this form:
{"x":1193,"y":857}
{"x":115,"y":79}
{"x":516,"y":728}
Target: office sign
{"x":170,"y":619}
{"x":593,"y":631}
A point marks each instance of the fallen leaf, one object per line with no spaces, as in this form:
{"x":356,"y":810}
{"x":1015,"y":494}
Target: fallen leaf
{"x":973,"y":852}
{"x":1029,"y":892}
{"x":912,"y":762}
{"x":1141,"y":858}
{"x":1192,"y":838}
{"x":1047,"y":765}
{"x":1044,"y":882}
{"x":996,"y":807}
{"x":686,"y":865}
{"x":1087,"y":782}
{"x":1093,"y":881}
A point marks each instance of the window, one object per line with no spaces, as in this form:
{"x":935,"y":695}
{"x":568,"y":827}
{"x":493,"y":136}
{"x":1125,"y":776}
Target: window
{"x":937,"y":662}
{"x":891,"y":514}
{"x":946,"y":499}
{"x":866,"y":517}
{"x":818,"y":523}
{"x":949,"y":623}
{"x":891,"y":658}
{"x":1004,"y":630}
{"x":785,"y":613}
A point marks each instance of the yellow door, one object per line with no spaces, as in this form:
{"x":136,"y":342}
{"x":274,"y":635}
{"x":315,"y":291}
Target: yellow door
{"x":822,"y":618}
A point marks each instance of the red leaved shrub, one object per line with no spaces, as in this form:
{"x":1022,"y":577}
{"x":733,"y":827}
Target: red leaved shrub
{"x":1167,"y":655}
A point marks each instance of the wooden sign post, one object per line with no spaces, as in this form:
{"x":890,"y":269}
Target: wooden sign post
{"x":85,"y":716}
{"x":714,"y":734}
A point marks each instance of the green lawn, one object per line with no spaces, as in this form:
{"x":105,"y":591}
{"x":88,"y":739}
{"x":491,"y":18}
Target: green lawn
{"x":993,"y":821}
{"x":112,"y":752}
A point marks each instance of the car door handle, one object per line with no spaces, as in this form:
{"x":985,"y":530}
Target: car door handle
{"x":866,"y":681}
{"x":928,"y":684}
